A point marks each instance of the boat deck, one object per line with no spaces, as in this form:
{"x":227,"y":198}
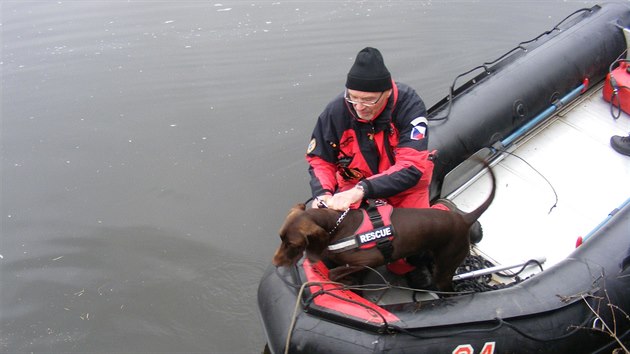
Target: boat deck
{"x":568,"y":155}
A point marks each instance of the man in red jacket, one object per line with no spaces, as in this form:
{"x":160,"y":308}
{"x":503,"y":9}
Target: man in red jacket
{"x":371,"y":142}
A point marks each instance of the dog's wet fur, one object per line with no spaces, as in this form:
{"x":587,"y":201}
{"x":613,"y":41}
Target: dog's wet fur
{"x":444,"y":235}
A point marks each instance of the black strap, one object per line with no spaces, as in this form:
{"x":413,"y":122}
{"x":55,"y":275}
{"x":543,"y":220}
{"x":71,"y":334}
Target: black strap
{"x":374,"y":214}
{"x":388,"y":146}
{"x":389,"y":130}
{"x":385,"y":246}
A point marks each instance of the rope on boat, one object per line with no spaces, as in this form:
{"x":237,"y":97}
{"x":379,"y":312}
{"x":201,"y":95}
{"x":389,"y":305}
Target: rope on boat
{"x":467,"y":286}
{"x":297,"y":308}
{"x":555,"y":204}
{"x":484,"y":282}
{"x":479,"y":284}
{"x":486,"y":68}
{"x":341,"y":286}
{"x":328,"y":292}
{"x":500,"y":323}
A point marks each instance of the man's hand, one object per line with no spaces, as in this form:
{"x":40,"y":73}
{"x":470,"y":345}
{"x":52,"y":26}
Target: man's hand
{"x":321,"y":201}
{"x":342,"y":201}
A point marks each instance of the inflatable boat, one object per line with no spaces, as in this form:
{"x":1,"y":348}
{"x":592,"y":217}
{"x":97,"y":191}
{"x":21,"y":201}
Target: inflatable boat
{"x":552,"y":272}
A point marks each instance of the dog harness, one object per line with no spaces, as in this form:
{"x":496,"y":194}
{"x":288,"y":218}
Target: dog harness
{"x":375,"y":230}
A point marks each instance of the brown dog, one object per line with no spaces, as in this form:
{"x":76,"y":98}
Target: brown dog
{"x":442,"y":234}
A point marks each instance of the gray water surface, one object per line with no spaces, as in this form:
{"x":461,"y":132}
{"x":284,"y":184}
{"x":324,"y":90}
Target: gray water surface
{"x":151,"y":149}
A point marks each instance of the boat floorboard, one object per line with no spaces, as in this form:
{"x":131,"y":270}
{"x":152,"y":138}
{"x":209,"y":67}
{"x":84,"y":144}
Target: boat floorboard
{"x":568,"y":155}
{"x":572,"y":151}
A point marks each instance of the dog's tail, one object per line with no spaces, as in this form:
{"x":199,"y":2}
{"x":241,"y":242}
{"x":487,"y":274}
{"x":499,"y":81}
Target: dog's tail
{"x":475,"y":214}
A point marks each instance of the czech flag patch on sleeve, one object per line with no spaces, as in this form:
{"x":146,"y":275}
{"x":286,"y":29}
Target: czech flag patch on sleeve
{"x":419,"y":128}
{"x":311,"y":146}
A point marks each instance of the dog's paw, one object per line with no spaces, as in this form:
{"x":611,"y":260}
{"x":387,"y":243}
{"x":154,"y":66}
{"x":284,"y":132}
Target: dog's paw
{"x":475,"y":233}
{"x":420,"y":278}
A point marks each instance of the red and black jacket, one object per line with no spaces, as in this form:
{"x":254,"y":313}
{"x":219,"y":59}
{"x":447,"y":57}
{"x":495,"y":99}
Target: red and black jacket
{"x":389,"y":153}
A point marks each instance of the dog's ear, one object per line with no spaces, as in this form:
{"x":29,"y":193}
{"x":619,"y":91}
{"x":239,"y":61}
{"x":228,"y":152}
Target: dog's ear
{"x":293,"y":213}
{"x":318,"y":240}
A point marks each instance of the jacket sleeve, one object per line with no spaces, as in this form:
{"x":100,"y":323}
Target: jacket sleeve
{"x":411,"y":155}
{"x":321,"y":155}
{"x":322,"y":174}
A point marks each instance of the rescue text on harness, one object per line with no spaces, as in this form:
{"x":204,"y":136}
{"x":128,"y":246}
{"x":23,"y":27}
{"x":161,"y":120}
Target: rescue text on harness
{"x":375,"y":230}
{"x":363,"y":240}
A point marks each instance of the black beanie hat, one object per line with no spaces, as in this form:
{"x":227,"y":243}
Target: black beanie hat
{"x":368,"y":73}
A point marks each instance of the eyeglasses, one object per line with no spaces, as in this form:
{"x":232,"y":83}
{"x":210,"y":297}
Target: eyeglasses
{"x":365,"y":103}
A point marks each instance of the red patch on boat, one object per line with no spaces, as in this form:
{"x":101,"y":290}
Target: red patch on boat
{"x":342,"y":301}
